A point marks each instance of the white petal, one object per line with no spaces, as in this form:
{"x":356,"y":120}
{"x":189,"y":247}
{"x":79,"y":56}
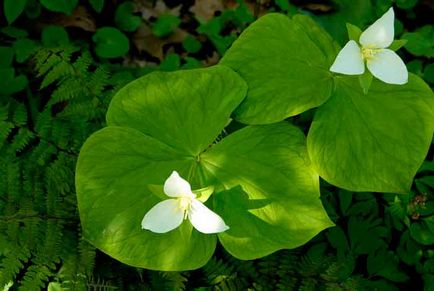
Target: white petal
{"x":349,"y":60}
{"x":175,"y":186}
{"x":164,"y":216}
{"x":387,"y":66}
{"x":380,"y":34}
{"x":205,"y":220}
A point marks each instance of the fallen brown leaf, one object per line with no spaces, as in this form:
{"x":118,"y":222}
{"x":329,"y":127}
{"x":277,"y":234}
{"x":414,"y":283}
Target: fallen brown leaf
{"x":212,"y":60}
{"x":145,"y":40}
{"x":148,"y":10}
{"x":204,"y":10}
{"x":80,"y":18}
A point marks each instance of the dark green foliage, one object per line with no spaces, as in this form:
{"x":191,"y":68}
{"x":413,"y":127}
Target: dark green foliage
{"x":379,"y":242}
{"x":40,"y":139}
{"x":51,"y":103}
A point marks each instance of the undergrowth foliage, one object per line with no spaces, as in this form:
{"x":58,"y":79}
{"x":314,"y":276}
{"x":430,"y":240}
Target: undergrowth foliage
{"x":379,"y":243}
{"x":40,"y":137}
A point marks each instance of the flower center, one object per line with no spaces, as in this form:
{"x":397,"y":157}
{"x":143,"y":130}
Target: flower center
{"x":369,"y":52}
{"x":185,"y":204}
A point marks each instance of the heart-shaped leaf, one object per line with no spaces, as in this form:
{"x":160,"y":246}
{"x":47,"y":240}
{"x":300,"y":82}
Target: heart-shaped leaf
{"x":285,"y":63}
{"x":167,"y":120}
{"x":374,"y":141}
{"x":272,"y":201}
{"x":110,"y":42}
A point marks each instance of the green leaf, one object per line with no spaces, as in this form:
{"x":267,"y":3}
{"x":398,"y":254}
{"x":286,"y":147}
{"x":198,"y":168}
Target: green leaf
{"x":264,"y":169}
{"x":397,"y":44}
{"x":283,"y":4}
{"x":9,"y":84}
{"x":359,"y":229}
{"x":280,"y":59}
{"x":165,"y":25}
{"x":354,"y":32}
{"x":164,"y":128}
{"x":13,"y":9}
{"x":337,"y":239}
{"x":426,"y":166}
{"x":406,"y":4}
{"x":124,"y":17}
{"x":428,"y":281}
{"x":420,"y":42}
{"x":115,"y":166}
{"x":423,"y":231}
{"x":242,"y":14}
{"x":415,"y":66}
{"x":205,"y":117}
{"x":97,"y":5}
{"x":191,"y":44}
{"x":54,"y":35}
{"x":373,"y":142}
{"x":6,"y":56}
{"x":172,"y":62}
{"x":386,"y":264}
{"x":33,"y":9}
{"x":428,"y":73}
{"x":14,"y":32}
{"x":365,"y":81}
{"x":191,"y":63}
{"x":54,"y":286}
{"x":408,"y":250}
{"x":204,"y":193}
{"x":345,"y":199}
{"x":24,"y":48}
{"x":110,"y":43}
{"x":63,"y":6}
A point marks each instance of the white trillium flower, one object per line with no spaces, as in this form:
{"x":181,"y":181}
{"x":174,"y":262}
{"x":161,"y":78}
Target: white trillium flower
{"x":169,"y":214}
{"x":383,"y":63}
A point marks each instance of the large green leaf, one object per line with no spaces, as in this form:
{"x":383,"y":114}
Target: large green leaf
{"x":170,"y":121}
{"x":162,"y":115}
{"x":374,"y":142}
{"x":178,"y":108}
{"x":114,"y":169}
{"x":272,"y":201}
{"x":285,"y":63}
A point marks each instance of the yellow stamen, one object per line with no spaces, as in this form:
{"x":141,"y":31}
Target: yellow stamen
{"x":185,"y":204}
{"x":369,"y":52}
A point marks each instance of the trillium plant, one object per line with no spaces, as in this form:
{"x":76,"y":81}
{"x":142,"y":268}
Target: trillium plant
{"x":228,"y":128}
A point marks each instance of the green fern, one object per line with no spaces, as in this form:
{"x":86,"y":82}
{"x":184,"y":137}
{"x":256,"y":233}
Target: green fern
{"x":40,"y":238}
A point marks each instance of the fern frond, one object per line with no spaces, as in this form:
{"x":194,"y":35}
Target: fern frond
{"x":22,"y":139}
{"x":99,"y":80}
{"x":101,"y":285}
{"x":20,"y":115}
{"x":5,"y":130}
{"x":70,"y":88}
{"x":57,"y":73}
{"x":47,"y":58}
{"x":36,"y":277}
{"x":4,"y":112}
{"x":14,"y":186}
{"x":167,"y":281}
{"x":12,"y":263}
